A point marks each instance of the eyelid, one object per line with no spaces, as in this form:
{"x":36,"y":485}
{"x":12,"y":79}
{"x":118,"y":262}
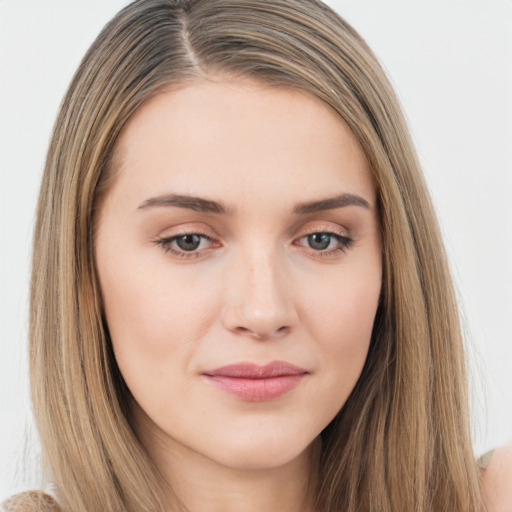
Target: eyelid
{"x":165,"y":241}
{"x":342,"y":235}
{"x":186,"y":228}
{"x":325,"y":228}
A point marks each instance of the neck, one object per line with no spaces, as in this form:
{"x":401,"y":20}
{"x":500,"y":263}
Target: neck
{"x":204,"y":485}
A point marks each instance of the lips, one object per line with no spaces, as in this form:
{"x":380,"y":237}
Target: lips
{"x":255,"y":383}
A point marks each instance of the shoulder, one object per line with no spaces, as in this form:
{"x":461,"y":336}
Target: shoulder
{"x":30,"y":501}
{"x":497,"y":480}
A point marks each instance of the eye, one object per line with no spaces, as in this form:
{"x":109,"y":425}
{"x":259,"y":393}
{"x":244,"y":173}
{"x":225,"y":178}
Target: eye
{"x":326,"y":243}
{"x":188,"y":242}
{"x":320,"y":241}
{"x":186,"y":245}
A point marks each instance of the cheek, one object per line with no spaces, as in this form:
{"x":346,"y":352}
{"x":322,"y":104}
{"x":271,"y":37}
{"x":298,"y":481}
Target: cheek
{"x":341,"y":319}
{"x":344,"y":307}
{"x":155,"y":323}
{"x":155,"y":315}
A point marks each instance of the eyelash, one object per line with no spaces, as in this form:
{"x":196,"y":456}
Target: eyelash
{"x":344,"y":243}
{"x":166,"y":244}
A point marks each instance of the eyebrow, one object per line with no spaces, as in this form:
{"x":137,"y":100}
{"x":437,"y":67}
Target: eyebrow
{"x":200,"y":204}
{"x":330,"y":203}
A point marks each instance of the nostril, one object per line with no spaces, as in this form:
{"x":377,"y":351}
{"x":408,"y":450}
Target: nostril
{"x":261,"y":334}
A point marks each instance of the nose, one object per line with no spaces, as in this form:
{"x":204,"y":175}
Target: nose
{"x":259,"y":301}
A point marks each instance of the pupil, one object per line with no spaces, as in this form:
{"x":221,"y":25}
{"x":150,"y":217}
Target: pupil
{"x":188,"y":242}
{"x":319,"y":241}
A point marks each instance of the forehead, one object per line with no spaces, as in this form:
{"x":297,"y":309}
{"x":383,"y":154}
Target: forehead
{"x":239,"y":138}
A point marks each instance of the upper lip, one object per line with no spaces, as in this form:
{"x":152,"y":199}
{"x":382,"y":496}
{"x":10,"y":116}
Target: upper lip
{"x":255,"y":371}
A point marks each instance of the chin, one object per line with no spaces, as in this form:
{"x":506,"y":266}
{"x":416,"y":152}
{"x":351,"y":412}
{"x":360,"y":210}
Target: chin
{"x":260,"y":453}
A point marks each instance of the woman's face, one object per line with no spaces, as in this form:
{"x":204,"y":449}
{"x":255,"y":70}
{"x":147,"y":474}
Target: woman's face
{"x":239,"y":259}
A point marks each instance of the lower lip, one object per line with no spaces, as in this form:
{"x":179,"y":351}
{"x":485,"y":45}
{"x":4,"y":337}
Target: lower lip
{"x":257,"y":390}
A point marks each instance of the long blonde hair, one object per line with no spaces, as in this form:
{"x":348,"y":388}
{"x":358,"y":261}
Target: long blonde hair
{"x":402,"y":441}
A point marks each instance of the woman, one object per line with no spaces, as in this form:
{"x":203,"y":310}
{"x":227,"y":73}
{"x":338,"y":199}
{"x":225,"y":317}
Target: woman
{"x":240,"y":300}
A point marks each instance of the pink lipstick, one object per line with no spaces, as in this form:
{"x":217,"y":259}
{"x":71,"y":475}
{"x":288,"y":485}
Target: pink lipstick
{"x":257,"y":383}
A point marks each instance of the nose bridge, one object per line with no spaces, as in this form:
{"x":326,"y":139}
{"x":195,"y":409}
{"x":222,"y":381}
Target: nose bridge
{"x":261,"y":304}
{"x":263,"y":279}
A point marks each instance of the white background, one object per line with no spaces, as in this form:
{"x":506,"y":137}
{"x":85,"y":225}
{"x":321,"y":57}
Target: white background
{"x":451,"y":63}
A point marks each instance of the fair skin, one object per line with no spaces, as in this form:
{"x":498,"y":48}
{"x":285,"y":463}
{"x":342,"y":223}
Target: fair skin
{"x":497,"y":481}
{"x":259,"y":287}
{"x":278,"y":260}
